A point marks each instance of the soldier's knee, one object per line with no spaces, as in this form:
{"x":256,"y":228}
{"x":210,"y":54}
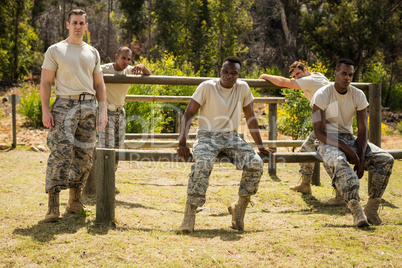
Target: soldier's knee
{"x":204,"y":165}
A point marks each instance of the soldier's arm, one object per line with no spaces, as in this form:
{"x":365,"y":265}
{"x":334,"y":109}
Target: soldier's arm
{"x":252,"y":125}
{"x":100,"y":90}
{"x":361,"y":117}
{"x":141,"y":69}
{"x":281,"y":81}
{"x":46,"y":81}
{"x":191,"y":109}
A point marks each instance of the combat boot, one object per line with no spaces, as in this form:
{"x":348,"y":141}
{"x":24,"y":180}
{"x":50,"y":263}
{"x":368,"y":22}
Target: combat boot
{"x":74,"y":204}
{"x":359,"y":219}
{"x":335,"y":201}
{"x":304,"y":187}
{"x":53,"y":212}
{"x":371,"y":211}
{"x":187,"y":226}
{"x":238,"y":211}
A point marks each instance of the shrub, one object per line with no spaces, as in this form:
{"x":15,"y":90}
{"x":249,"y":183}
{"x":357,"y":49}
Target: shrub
{"x":399,"y":127}
{"x":30,"y":105}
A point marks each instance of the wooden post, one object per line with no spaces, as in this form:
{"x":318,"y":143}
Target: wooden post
{"x":90,"y":185}
{"x":374,"y":119}
{"x":315,"y":180}
{"x":272,"y":135}
{"x":105,"y":185}
{"x":14,"y":119}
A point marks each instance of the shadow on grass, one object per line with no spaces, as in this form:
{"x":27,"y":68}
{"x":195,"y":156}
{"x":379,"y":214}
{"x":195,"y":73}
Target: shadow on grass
{"x":46,"y":231}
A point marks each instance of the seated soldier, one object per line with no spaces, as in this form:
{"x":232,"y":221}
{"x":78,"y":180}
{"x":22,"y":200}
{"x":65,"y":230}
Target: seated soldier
{"x":333,"y":109}
{"x":220,"y":102}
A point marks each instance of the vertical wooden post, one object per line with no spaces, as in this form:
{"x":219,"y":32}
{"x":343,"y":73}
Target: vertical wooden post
{"x":14,"y":119}
{"x":90,"y":185}
{"x":272,"y":135}
{"x":374,"y":119}
{"x":105,"y":185}
{"x":315,"y":180}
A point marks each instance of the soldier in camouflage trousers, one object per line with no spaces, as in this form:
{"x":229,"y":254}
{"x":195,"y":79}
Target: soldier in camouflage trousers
{"x":112,"y":136}
{"x":333,"y":109}
{"x":71,"y":143}
{"x":207,"y":146}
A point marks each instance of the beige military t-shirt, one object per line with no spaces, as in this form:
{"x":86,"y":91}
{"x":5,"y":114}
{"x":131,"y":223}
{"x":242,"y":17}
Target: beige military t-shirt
{"x":220,"y":108}
{"x":116,"y":93}
{"x":339,"y":109}
{"x":310,"y":84}
{"x":75,"y":66}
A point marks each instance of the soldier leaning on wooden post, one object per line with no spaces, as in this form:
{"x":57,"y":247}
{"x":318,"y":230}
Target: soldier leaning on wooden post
{"x":309,"y":83}
{"x":220,"y":102}
{"x":75,"y":67}
{"x":333,"y":109}
{"x":112,"y":136}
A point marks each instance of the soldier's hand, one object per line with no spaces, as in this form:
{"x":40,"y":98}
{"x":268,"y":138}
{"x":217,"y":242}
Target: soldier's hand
{"x":183,"y":152}
{"x":47,"y":119}
{"x":359,"y":168}
{"x":267,"y":151}
{"x":138,"y":69}
{"x":102,"y":121}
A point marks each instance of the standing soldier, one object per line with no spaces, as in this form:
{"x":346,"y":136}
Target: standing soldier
{"x":113,"y":135}
{"x":75,"y":67}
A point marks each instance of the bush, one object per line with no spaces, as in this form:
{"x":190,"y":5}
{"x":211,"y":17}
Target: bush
{"x":399,"y":127}
{"x":30,"y":105}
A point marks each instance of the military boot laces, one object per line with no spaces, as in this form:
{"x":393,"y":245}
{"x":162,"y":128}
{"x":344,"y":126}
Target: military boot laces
{"x":304,"y":186}
{"x":74,"y":204}
{"x":187,"y":226}
{"x":359,"y":218}
{"x":53,"y":212}
{"x":238,"y":211}
{"x":371,"y":211}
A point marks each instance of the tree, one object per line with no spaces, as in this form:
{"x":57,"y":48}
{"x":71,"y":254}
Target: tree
{"x":354,"y":29}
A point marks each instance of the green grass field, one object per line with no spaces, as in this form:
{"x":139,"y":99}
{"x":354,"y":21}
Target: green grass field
{"x":282,"y":229}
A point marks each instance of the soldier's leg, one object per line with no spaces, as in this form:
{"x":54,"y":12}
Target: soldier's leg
{"x":120,"y":133}
{"x":380,"y":163}
{"x":306,"y":169}
{"x":244,"y":157}
{"x":106,"y":135}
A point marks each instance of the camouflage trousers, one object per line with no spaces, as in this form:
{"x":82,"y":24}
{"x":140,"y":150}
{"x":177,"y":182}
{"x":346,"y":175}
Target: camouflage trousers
{"x":307,"y":169}
{"x":71,"y":142}
{"x":112,"y":136}
{"x":207,"y":146}
{"x":344,"y":178}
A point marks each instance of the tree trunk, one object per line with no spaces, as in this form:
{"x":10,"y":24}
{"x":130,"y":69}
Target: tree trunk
{"x":18,"y":12}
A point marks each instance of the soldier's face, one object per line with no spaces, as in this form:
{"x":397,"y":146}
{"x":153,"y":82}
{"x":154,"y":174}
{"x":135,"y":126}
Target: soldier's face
{"x":344,"y":75}
{"x":230,"y":71}
{"x":77,"y":26}
{"x":123,"y":60}
{"x":297,"y":73}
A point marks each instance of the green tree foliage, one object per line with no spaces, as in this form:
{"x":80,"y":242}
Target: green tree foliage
{"x":354,"y":29}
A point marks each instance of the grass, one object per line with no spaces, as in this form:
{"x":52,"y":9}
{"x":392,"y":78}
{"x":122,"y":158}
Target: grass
{"x":282,"y":228}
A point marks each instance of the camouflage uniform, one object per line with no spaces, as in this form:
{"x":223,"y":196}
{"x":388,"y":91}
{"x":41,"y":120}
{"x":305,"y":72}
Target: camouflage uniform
{"x":71,"y":143}
{"x":207,"y":146}
{"x":112,"y":136}
{"x":307,"y":169}
{"x":345,"y":179}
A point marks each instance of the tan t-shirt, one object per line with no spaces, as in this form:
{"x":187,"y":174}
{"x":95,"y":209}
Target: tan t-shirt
{"x":310,"y":84}
{"x":116,"y":93}
{"x":75,"y":67}
{"x":339,"y":109}
{"x":221,"y":108}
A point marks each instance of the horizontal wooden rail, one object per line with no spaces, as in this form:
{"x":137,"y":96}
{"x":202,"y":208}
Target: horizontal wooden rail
{"x":171,"y":156}
{"x":189,"y":81}
{"x":154,"y":98}
{"x":175,"y":144}
{"x":153,"y":136}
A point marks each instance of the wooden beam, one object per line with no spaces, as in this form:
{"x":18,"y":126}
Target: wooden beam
{"x":174,"y":143}
{"x":154,"y":98}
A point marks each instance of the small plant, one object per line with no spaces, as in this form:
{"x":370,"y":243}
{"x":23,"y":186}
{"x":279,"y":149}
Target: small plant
{"x":399,"y":127}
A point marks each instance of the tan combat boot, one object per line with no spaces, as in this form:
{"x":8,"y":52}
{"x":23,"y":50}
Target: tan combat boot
{"x":53,"y":213}
{"x":371,"y":211}
{"x":335,"y":201}
{"x":187,"y":226}
{"x":359,"y":219}
{"x":304,"y":187}
{"x":74,"y":204}
{"x":238,"y":211}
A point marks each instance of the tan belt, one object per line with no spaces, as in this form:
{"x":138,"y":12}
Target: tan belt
{"x":77,"y":97}
{"x":114,"y":108}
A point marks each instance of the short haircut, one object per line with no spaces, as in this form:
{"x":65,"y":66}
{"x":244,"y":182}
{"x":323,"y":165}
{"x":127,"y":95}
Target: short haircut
{"x":296,"y":64}
{"x":344,"y":61}
{"x":122,"y":49}
{"x":77,"y":12}
{"x":232,"y":59}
